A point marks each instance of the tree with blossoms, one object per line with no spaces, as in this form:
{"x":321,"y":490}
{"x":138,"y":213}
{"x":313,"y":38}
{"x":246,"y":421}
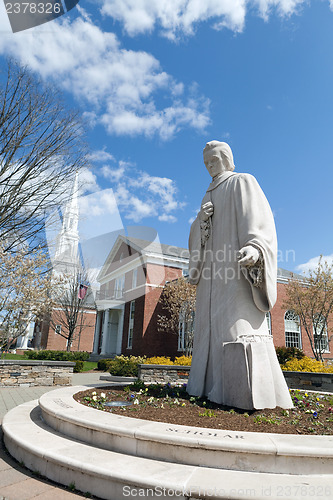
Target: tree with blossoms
{"x":25,"y":292}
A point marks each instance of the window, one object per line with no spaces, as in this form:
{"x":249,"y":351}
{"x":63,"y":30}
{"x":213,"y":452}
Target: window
{"x":57,"y":329}
{"x":119,"y":287}
{"x":292,"y":330}
{"x":321,"y":338}
{"x":131,"y":325}
{"x":185,"y":330}
{"x":134,"y":277}
{"x":269,"y":323}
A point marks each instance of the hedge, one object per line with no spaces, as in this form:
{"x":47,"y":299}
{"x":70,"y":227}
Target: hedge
{"x":58,"y":355}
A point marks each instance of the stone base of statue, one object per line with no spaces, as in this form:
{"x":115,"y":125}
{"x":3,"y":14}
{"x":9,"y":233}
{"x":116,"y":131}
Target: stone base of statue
{"x":251,"y":375}
{"x":116,"y":457}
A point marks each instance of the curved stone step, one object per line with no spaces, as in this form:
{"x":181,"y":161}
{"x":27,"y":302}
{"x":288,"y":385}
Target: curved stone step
{"x":115,"y":476}
{"x":242,"y":451}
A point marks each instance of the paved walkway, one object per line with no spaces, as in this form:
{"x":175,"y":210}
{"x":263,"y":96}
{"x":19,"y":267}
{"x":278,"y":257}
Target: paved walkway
{"x":16,"y":482}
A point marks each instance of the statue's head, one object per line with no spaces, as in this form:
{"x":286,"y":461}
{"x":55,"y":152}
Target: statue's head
{"x":218,"y":158}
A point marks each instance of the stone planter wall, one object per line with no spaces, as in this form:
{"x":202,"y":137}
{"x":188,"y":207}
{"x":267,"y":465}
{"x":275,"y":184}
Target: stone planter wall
{"x":178,"y":375}
{"x":25,"y":373}
{"x":310,"y":381}
{"x":162,"y":374}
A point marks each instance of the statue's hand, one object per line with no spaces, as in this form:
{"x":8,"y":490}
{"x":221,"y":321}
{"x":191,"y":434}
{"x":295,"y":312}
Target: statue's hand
{"x":207,"y":210}
{"x":248,"y":256}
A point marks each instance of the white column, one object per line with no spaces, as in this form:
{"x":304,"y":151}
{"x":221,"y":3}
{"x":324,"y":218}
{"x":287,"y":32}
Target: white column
{"x":97,"y":332}
{"x":23,"y":339}
{"x":120,"y":330}
{"x":105,"y":331}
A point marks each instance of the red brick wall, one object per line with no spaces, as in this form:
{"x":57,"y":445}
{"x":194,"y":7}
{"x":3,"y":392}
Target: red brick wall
{"x":277,"y":323}
{"x":53,"y":341}
{"x":147,"y":340}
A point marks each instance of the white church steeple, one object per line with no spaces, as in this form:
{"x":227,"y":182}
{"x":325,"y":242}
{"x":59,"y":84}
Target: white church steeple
{"x":67,"y":247}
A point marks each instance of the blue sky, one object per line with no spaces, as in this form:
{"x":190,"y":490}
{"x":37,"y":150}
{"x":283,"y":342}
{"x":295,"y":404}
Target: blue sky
{"x":157,"y":79}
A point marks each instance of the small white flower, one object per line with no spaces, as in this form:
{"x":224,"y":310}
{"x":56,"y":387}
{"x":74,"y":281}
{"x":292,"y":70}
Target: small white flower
{"x":136,"y":401}
{"x":94,"y":398}
{"x":103,"y":395}
{"x":93,"y":393}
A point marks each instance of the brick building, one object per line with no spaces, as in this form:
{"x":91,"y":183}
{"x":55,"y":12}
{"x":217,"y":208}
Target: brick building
{"x":132,"y":280}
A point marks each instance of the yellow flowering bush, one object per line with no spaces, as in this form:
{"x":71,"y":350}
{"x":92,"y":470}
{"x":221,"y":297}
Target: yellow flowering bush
{"x":306,"y":365}
{"x":127,"y":366}
{"x":162,"y":360}
{"x":158,"y":360}
{"x":183,"y":360}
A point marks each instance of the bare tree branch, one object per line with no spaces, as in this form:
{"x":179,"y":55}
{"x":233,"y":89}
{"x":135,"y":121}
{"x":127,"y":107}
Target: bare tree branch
{"x":178,"y":300}
{"x":312,"y":301}
{"x":70,"y":308}
{"x":41,"y":148}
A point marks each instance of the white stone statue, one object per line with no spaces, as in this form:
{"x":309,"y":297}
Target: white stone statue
{"x":233,"y":262}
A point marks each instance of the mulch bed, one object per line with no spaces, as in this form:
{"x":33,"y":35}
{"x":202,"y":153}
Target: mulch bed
{"x":313,"y":413}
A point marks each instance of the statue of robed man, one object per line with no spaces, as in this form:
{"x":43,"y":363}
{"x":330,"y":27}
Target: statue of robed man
{"x":233,"y":262}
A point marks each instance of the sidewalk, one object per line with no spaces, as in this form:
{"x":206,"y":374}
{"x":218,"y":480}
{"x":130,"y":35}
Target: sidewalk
{"x":16,"y":482}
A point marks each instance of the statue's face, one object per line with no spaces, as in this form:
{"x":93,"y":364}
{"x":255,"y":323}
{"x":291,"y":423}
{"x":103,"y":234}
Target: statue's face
{"x":213,"y":162}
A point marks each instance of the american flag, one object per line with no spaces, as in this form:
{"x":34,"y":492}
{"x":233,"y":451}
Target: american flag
{"x":82,"y":291}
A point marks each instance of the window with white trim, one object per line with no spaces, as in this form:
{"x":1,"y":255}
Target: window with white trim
{"x":321,"y":338}
{"x":292,"y":329}
{"x":134,"y":277}
{"x":269,"y":322}
{"x":57,"y":329}
{"x":131,"y":325}
{"x":185,"y":272}
{"x":185,"y":328}
{"x":119,"y":287}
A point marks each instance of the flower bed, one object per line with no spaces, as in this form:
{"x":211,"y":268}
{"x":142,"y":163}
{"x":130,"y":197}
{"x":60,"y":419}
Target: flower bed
{"x":312,"y":414}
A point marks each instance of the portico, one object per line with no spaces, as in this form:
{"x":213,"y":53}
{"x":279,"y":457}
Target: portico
{"x":109,"y":329}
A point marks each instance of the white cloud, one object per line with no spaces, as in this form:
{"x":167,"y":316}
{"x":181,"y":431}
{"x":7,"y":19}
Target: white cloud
{"x":313,"y":263}
{"x":114,"y":174}
{"x":118,"y":87}
{"x":140,"y":195}
{"x":284,"y":7}
{"x":167,"y":218}
{"x":180,"y":17}
{"x":87,"y":181}
{"x":101,"y":155}
{"x":174,"y":16}
{"x":192,"y":219}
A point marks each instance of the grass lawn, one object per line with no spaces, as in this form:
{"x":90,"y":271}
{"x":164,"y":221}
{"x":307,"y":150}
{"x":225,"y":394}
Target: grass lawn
{"x":13,"y":356}
{"x":89,"y":365}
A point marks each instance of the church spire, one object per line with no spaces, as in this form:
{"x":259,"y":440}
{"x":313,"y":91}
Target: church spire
{"x":68,"y":238}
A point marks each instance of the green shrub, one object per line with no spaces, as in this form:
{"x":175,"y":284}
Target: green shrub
{"x":103,"y":364}
{"x":284,"y":354}
{"x":58,"y":355}
{"x":78,"y":368}
{"x":125,"y":366}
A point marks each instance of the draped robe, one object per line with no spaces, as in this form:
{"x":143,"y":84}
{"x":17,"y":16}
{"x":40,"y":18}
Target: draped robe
{"x":234,"y":360}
